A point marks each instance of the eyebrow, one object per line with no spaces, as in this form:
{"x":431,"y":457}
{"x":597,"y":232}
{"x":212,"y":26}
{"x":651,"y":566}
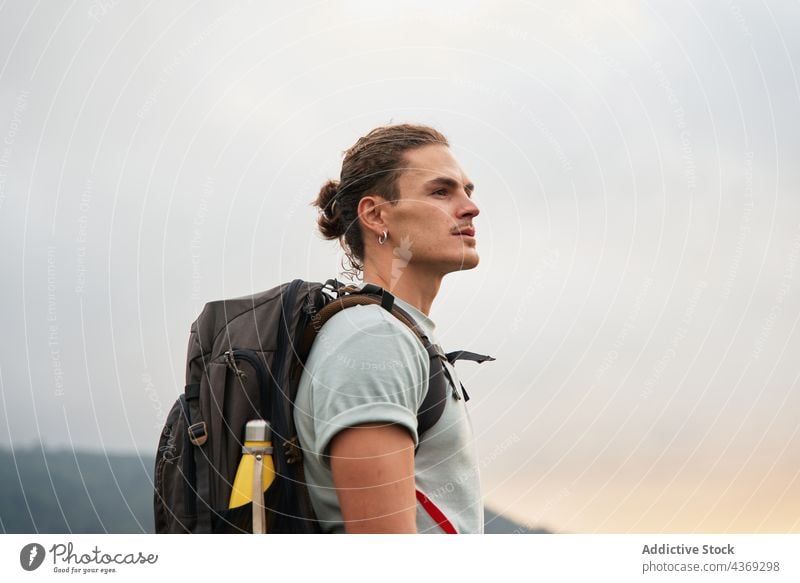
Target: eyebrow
{"x":451,"y":183}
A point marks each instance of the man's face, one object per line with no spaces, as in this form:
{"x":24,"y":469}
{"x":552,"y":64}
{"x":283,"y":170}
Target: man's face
{"x":435,"y":208}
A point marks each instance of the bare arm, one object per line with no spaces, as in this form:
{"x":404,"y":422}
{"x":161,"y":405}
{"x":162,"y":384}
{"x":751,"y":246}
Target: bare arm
{"x":373,"y":471}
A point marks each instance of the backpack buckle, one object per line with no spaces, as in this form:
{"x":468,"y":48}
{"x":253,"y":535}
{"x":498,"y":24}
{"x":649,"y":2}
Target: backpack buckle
{"x":197,"y":433}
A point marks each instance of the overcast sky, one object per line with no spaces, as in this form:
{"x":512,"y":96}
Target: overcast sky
{"x":636,"y":166}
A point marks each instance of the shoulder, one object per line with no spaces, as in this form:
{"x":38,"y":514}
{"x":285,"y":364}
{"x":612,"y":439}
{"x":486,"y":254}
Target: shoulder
{"x":365,"y":366}
{"x":367,"y":326}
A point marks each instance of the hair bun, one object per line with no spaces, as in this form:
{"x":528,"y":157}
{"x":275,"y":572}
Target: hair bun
{"x":330,"y":222}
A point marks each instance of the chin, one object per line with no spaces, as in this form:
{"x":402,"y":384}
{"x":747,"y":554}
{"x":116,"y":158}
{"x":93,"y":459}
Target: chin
{"x":467,"y":261}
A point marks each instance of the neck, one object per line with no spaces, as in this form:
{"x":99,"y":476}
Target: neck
{"x":413,"y":285}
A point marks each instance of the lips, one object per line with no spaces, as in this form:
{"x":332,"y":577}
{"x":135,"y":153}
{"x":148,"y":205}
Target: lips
{"x":469,"y":232}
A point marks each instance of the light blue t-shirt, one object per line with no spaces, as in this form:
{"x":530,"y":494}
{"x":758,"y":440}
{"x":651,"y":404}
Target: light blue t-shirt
{"x":366,"y":366}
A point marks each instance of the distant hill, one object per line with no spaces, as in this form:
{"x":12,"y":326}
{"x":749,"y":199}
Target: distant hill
{"x":498,"y":524}
{"x":79,"y":492}
{"x":75,"y":492}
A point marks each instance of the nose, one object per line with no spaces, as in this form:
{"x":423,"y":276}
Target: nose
{"x":468,"y":208}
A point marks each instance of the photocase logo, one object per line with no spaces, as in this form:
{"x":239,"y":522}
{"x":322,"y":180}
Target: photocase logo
{"x":31,"y":556}
{"x":402,"y":257}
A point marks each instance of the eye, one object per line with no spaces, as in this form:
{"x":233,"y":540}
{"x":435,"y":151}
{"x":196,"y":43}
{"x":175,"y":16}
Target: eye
{"x":440,"y":192}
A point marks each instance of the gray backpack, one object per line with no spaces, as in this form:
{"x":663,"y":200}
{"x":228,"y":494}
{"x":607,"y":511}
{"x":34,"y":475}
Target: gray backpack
{"x":244,"y":362}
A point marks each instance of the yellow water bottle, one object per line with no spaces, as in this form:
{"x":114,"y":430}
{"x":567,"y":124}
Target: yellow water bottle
{"x":256,"y":472}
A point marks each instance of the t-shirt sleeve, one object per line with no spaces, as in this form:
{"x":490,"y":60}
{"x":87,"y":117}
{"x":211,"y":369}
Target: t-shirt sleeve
{"x":370,"y":368}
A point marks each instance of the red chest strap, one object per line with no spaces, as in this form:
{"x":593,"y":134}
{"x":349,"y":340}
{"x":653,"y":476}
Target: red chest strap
{"x":436,"y":514}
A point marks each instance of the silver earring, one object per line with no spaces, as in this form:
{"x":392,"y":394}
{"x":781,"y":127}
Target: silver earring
{"x":382,"y":238}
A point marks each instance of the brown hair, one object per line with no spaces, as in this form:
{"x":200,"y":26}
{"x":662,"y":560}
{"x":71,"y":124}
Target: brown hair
{"x":371,"y":166}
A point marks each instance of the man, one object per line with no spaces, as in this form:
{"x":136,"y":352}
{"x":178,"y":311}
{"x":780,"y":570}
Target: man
{"x":403,"y":211}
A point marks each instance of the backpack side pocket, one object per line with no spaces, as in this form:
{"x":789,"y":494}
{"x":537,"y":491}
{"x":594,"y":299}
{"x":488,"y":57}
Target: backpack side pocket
{"x":168,"y":479}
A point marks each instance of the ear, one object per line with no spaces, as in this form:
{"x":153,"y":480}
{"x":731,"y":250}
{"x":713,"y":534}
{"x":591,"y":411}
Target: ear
{"x":372,"y":210}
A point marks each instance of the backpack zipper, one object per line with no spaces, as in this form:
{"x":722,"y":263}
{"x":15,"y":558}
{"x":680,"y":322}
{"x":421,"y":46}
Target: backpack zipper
{"x":249,"y":356}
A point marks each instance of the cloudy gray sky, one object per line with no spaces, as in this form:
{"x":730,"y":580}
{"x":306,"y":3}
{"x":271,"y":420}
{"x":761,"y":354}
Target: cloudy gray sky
{"x":636,"y":169}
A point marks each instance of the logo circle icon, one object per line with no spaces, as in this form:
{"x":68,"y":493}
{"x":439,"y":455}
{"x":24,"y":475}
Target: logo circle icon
{"x":31,"y":556}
